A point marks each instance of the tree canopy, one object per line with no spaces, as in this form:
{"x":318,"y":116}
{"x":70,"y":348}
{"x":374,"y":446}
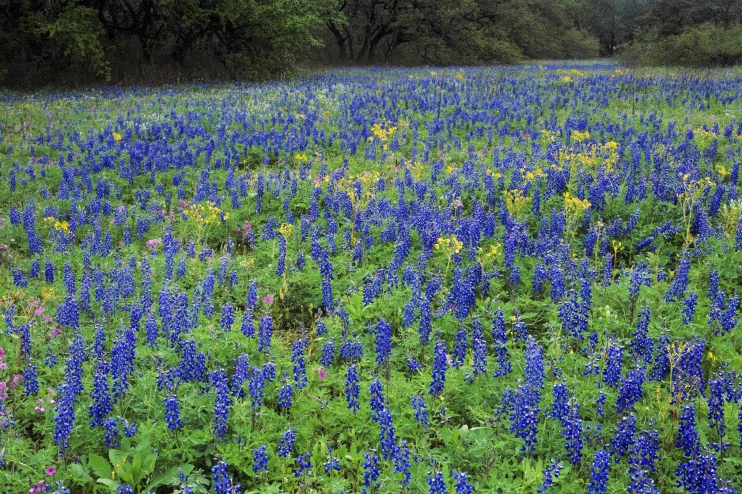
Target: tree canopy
{"x":83,"y":41}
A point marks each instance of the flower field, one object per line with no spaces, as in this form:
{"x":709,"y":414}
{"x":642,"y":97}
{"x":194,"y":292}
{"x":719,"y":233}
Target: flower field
{"x":515,"y":279}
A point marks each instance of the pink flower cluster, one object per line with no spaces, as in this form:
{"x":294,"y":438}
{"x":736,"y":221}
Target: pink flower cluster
{"x":245,"y":229}
{"x":41,"y":485}
{"x":42,"y":403}
{"x":152,"y":244}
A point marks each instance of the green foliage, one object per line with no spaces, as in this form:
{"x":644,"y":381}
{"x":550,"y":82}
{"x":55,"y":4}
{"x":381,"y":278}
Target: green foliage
{"x":79,"y":33}
{"x":455,"y":32}
{"x":704,"y":45}
{"x":114,"y":39}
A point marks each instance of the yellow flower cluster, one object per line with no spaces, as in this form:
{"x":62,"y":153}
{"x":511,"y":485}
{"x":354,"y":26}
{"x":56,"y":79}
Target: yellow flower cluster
{"x":286,"y":229}
{"x":549,"y":136}
{"x":731,"y":214}
{"x":381,"y":133}
{"x":416,"y":169}
{"x":60,"y":226}
{"x":692,"y":192}
{"x":492,"y":254}
{"x":450,"y":245}
{"x":494,"y":174}
{"x":531,"y":175}
{"x":301,"y":157}
{"x":578,"y":136}
{"x":570,"y":73}
{"x":575,"y":205}
{"x":591,"y":159}
{"x":704,"y":137}
{"x":13,"y":298}
{"x":516,"y":202}
{"x":205,"y":215}
{"x":48,"y":293}
{"x":116,"y":136}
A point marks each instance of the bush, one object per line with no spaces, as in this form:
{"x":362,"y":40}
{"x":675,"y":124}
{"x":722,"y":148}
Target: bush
{"x":578,"y":44}
{"x":704,"y":45}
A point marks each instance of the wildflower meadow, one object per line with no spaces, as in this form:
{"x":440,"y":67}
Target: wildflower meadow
{"x":507,"y":279}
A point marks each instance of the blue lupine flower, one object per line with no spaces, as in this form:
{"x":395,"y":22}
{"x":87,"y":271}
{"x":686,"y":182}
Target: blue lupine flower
{"x":421,"y":412}
{"x":102,"y":402}
{"x":613,"y":364}
{"x":332,"y":463}
{"x":383,"y":342}
{"x":286,"y":443}
{"x":679,"y":282}
{"x":460,"y":347}
{"x":265,"y":333}
{"x":413,"y":365}
{"x":642,"y":346}
{"x":599,"y":473}
{"x":551,"y":473}
{"x":111,"y":426}
{"x":227,"y":319}
{"x":256,"y":384}
{"x":499,"y":336}
{"x":630,"y":390}
{"x":436,"y":483}
{"x":387,"y":439}
{"x":259,"y":459}
{"x":524,"y":413}
{"x":479,"y":348}
{"x":716,"y":410}
{"x":401,"y":460}
{"x":371,"y":470}
{"x":222,"y":401}
{"x":304,"y":465}
{"x":300,"y":368}
{"x":172,"y":412}
{"x":534,"y":370}
{"x":623,"y":439}
{"x":286,"y":395}
{"x":440,"y":364}
{"x":698,"y":475}
{"x":328,"y":354}
{"x":30,"y":380}
{"x":222,"y":481}
{"x":462,"y":484}
{"x":352,"y":391}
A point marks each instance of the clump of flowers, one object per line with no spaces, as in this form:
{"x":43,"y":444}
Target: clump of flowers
{"x":449,"y":246}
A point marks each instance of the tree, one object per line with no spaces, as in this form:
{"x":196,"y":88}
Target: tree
{"x":52,"y":41}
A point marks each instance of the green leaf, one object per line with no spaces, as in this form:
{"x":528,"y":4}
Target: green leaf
{"x":79,"y":473}
{"x":112,"y":484}
{"x":100,"y":466}
{"x":169,"y":477}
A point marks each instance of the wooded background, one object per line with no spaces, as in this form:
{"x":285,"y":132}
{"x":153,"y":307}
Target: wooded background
{"x":71,"y":42}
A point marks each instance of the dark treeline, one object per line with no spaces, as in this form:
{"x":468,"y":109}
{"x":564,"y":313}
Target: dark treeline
{"x":82,"y":41}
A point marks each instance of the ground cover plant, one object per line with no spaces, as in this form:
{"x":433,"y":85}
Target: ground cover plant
{"x":463,"y":280}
